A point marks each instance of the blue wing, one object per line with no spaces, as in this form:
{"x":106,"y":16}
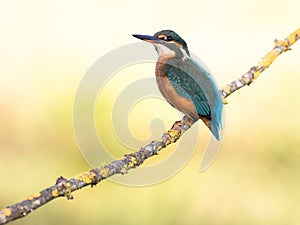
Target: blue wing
{"x":186,"y":87}
{"x":192,"y":81}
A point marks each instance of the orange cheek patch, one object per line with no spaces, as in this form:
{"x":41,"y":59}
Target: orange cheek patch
{"x":150,"y":41}
{"x":176,"y":43}
{"x":162,"y":36}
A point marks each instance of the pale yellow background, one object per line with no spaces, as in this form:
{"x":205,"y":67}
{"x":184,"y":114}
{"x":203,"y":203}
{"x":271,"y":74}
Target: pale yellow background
{"x":47,"y":46}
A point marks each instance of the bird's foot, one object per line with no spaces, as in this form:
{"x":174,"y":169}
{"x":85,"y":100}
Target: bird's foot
{"x":177,"y":125}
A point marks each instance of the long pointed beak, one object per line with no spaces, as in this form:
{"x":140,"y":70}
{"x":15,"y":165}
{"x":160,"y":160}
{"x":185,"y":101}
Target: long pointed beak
{"x":147,"y":38}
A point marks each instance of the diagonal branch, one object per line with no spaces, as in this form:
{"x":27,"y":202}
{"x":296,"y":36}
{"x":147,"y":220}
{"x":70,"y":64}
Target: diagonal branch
{"x":264,"y":63}
{"x":64,"y":187}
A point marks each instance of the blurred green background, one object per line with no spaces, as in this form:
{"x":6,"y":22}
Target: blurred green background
{"x":47,"y":46}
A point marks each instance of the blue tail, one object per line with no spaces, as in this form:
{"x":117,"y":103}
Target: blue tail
{"x":215,"y":130}
{"x":216,"y":119}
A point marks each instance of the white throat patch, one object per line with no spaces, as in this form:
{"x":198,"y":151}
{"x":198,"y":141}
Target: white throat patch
{"x":164,"y":51}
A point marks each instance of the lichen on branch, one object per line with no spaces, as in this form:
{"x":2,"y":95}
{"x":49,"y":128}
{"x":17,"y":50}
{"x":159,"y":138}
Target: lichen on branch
{"x":64,"y":187}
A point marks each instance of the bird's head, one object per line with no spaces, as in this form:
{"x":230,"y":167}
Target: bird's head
{"x":167,"y":43}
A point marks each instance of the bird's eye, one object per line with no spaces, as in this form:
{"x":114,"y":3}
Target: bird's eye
{"x":169,"y":38}
{"x":165,"y":38}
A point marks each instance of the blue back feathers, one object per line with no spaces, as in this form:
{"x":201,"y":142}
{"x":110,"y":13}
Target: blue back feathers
{"x":193,"y":82}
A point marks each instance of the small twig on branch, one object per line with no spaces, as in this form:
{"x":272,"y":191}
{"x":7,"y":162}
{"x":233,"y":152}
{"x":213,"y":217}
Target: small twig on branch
{"x":64,"y":187}
{"x":264,"y":63}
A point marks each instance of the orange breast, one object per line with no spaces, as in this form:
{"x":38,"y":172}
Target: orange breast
{"x":182,"y":104}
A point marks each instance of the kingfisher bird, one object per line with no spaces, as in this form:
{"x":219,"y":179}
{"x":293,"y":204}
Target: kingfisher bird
{"x":184,"y":82}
